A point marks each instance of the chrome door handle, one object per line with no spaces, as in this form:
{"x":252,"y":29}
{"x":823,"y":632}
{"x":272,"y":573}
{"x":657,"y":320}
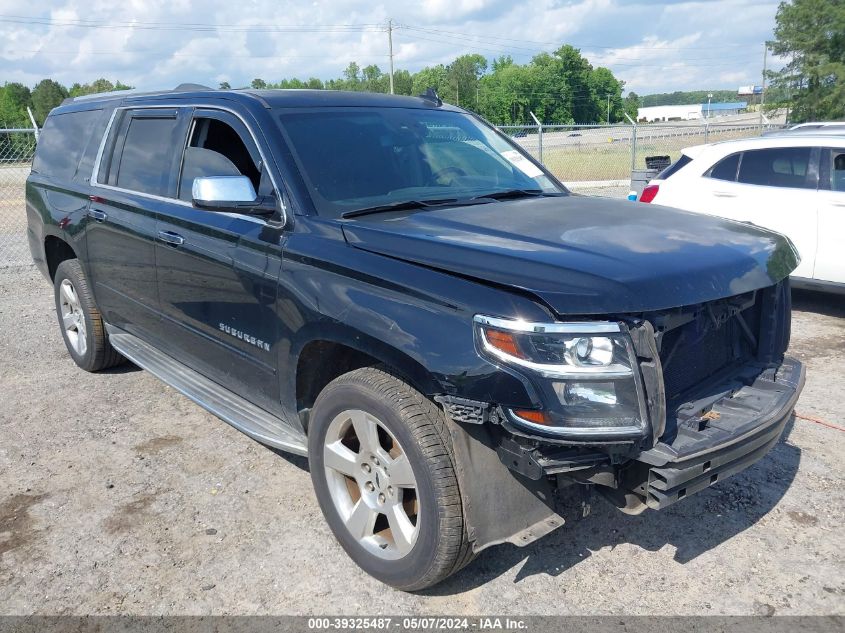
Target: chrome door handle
{"x":170,"y":237}
{"x":96,"y":214}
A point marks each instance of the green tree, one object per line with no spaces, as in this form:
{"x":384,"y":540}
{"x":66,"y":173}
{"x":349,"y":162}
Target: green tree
{"x":46,"y":95}
{"x":373,"y":80}
{"x":632,"y":105}
{"x":403,"y":82}
{"x":505,"y":96}
{"x":96,"y":86}
{"x":352,"y":77}
{"x":14,"y":99}
{"x":462,"y":76}
{"x":430,"y":77}
{"x":258,"y":84}
{"x":811,"y":34}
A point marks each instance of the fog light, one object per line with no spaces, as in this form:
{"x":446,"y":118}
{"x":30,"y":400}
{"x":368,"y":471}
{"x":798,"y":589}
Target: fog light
{"x":573,"y":393}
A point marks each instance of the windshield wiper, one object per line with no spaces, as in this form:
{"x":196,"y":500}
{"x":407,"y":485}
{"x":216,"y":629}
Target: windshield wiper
{"x":516,"y":193}
{"x":415,"y":204}
{"x":403,"y":205}
{"x":394,"y":206}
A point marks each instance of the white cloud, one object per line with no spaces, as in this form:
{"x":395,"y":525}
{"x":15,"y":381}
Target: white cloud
{"x":653,"y":46}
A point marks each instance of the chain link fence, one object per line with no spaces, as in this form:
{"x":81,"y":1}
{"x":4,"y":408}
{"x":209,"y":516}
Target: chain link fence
{"x":599,"y":159}
{"x":16,"y":149}
{"x":590,"y":159}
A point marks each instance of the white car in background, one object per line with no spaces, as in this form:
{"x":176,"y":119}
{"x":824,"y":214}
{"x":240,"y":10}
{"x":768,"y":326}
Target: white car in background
{"x":793,"y":184}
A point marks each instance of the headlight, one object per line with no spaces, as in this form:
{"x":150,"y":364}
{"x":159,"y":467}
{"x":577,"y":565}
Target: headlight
{"x":590,"y":369}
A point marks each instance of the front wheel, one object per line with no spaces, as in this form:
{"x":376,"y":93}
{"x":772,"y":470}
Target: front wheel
{"x":383,"y":471}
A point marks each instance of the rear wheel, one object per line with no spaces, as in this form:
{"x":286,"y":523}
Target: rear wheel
{"x":82,"y":326}
{"x":383,"y":471}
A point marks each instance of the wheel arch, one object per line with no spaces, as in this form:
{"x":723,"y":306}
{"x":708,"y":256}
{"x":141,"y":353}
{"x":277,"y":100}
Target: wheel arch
{"x":328,"y":352}
{"x":56,"y":250}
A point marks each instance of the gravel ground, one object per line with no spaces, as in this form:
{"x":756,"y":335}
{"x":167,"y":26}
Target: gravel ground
{"x":118,"y":495}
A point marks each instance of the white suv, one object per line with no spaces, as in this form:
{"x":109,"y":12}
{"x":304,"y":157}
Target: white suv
{"x":791,"y":184}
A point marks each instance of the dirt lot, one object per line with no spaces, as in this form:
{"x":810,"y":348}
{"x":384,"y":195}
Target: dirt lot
{"x":118,"y":495}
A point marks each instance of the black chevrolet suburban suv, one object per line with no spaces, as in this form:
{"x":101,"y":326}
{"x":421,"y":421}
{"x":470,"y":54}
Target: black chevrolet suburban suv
{"x":396,"y":290}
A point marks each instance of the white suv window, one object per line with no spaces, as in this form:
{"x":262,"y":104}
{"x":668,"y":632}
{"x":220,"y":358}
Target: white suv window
{"x":725,"y":169}
{"x":777,"y":167}
{"x":837,"y":171}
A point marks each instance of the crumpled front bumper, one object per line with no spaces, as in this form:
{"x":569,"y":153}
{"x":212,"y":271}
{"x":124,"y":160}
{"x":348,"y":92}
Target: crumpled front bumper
{"x":738,"y":430}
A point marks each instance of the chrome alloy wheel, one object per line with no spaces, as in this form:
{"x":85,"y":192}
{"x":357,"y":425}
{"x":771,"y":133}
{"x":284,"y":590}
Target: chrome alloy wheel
{"x":73,"y":320}
{"x":372,"y":484}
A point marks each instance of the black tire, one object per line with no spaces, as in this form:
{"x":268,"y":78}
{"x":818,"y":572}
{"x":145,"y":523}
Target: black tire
{"x":98,"y":353}
{"x":441,"y":547}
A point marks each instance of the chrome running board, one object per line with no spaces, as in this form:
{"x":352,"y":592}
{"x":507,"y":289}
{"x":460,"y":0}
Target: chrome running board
{"x":229,"y":407}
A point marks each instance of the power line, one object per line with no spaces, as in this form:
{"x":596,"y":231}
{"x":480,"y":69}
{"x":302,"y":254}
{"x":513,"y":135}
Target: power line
{"x":193,"y":26}
{"x":624,"y":62}
{"x":330,"y":28}
{"x":606,"y":46}
{"x":170,"y":54}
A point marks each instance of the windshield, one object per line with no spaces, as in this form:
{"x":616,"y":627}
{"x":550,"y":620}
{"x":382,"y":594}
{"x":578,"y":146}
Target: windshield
{"x":356,"y":158}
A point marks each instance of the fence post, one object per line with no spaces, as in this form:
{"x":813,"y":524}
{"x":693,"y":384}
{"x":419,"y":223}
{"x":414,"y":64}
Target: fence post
{"x":633,"y":141}
{"x":706,"y":130}
{"x":34,"y":124}
{"x":539,"y":136}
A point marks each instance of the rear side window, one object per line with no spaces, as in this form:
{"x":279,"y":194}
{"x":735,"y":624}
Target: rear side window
{"x":62,"y":142}
{"x":725,"y":169}
{"x":837,"y":172}
{"x":679,"y":164}
{"x":147,"y":157}
{"x":777,"y":167}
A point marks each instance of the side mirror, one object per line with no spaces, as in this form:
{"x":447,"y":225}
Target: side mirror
{"x":224,"y":193}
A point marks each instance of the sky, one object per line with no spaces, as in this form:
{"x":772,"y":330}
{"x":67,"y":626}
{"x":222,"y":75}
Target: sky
{"x":653,"y":45}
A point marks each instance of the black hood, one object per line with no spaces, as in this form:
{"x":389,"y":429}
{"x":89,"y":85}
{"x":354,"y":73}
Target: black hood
{"x":585,"y":255}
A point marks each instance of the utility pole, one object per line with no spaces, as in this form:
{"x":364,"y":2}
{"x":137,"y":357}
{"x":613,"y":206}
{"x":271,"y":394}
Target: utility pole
{"x":390,"y":48}
{"x":608,"y":108}
{"x":763,"y":93}
{"x":709,"y":97}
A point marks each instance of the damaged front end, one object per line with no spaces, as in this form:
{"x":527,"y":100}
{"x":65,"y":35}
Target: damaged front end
{"x":689,"y":396}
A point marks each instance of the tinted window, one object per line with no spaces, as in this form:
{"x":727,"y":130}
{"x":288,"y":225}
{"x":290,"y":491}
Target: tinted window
{"x":682,"y":162}
{"x":359,"y":157}
{"x":725,"y":169}
{"x":62,"y":141}
{"x":776,"y":167}
{"x":837,"y":172}
{"x":147,"y":155}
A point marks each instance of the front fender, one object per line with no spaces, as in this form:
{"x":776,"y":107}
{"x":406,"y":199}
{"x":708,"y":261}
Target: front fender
{"x":415,"y":319}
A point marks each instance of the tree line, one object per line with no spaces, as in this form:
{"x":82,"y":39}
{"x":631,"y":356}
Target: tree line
{"x":558,"y":87}
{"x":680,"y":97}
{"x":15,"y":98}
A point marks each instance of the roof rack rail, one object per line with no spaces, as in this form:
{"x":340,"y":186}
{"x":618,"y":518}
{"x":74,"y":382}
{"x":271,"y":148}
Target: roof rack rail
{"x":106,"y":95}
{"x":185,"y":87}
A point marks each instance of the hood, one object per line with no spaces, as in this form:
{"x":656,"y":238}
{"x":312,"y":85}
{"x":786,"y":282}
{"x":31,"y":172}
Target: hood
{"x":584,"y":255}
